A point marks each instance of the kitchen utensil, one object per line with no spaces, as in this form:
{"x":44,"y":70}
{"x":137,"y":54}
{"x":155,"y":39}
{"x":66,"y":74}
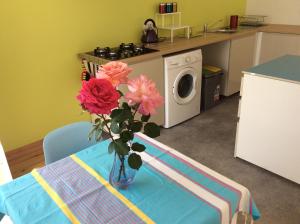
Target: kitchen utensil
{"x":174,"y":6}
{"x":162,"y":8}
{"x":91,"y":66}
{"x":85,"y":63}
{"x":85,"y":76}
{"x":234,"y":22}
{"x":252,"y":20}
{"x":150,"y":32}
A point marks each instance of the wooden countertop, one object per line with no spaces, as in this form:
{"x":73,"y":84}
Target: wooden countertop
{"x":278,"y":28}
{"x":182,"y":44}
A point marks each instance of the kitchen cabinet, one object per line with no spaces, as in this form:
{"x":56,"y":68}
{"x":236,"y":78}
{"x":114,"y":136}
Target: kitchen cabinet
{"x":218,"y":55}
{"x":241,"y":57}
{"x":154,"y":70}
{"x":274,"y":45}
{"x":268,"y":128}
{"x":233,"y":57}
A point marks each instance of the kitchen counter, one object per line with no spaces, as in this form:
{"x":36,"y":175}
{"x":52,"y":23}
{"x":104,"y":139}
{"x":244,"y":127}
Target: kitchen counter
{"x":182,"y":44}
{"x":286,"y":68}
{"x":278,"y":28}
{"x":268,"y":127}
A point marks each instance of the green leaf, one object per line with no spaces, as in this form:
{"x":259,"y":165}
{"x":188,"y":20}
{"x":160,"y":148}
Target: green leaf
{"x":116,"y":113}
{"x":125,"y":106}
{"x":122,"y":125}
{"x":92,"y":132}
{"x":115,"y":128}
{"x":145,"y":118}
{"x":126,"y":136}
{"x":136,"y":126}
{"x":121,"y":94}
{"x":120,"y":115}
{"x":152,"y":130}
{"x":97,"y":120}
{"x":138,"y":147}
{"x":121,"y":147}
{"x":111,"y":147}
{"x":98,"y":134}
{"x":135,"y":161}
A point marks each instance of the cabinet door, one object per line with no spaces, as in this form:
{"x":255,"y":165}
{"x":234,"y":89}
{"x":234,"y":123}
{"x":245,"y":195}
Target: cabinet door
{"x":241,"y":57}
{"x":154,"y":70}
{"x":268,"y":129}
{"x":274,"y":45}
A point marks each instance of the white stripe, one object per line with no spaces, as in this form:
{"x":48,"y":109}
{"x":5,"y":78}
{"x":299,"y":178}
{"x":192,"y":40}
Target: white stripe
{"x":245,"y":197}
{"x":190,"y":185}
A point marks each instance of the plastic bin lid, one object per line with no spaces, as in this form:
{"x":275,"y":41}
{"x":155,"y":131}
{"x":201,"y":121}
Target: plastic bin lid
{"x":210,"y":71}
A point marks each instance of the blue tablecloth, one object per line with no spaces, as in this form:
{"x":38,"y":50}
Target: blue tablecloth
{"x":169,"y":188}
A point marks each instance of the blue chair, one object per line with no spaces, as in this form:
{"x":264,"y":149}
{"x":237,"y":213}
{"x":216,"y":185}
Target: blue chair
{"x":66,"y":140}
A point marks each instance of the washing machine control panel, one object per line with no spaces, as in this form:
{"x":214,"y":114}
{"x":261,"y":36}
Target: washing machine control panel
{"x":183,"y":59}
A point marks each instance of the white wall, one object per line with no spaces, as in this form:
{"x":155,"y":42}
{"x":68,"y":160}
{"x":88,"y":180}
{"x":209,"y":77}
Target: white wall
{"x":278,"y":11}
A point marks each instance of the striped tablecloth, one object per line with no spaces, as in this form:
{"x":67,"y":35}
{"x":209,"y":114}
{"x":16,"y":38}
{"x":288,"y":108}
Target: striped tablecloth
{"x":169,"y":188}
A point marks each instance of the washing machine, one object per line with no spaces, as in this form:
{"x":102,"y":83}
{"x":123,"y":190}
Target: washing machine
{"x":183,"y":76}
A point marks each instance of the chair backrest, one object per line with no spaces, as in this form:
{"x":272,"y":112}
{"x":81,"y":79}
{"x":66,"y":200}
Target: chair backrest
{"x":66,"y":140}
{"x":5,"y":174}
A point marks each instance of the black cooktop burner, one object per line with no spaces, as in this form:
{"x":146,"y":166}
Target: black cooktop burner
{"x":121,"y":52}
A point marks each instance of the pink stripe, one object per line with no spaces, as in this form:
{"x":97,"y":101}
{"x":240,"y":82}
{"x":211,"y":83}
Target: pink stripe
{"x":238,"y":192}
{"x":198,"y":184}
{"x":206,"y":188}
{"x":179,"y":184}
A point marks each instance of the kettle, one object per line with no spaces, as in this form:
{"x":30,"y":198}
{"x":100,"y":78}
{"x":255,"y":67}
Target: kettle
{"x":150,"y":32}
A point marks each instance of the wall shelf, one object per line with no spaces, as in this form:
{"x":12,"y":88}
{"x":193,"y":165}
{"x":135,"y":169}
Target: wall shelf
{"x":171,"y":22}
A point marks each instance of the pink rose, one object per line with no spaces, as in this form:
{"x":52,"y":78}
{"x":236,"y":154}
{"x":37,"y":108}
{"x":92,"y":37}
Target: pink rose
{"x":98,"y":96}
{"x":116,"y":72}
{"x":142,"y":91}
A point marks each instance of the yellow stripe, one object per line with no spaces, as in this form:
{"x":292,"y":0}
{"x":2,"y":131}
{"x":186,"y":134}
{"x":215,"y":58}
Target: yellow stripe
{"x":109,"y":187}
{"x":55,"y":197}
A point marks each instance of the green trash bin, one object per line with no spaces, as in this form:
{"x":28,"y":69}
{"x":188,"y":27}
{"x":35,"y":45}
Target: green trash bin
{"x":211,"y":86}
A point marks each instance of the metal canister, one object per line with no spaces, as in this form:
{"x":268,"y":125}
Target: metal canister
{"x":169,"y":8}
{"x":162,"y":8}
{"x":174,"y":6}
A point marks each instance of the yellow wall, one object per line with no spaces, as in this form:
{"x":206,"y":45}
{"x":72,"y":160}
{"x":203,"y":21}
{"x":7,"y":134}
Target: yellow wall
{"x":39,"y":42}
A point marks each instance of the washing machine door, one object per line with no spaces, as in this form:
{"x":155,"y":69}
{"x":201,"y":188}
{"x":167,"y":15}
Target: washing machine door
{"x":184,"y":87}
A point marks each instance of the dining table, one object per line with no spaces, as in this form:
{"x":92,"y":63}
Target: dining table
{"x":169,"y":188}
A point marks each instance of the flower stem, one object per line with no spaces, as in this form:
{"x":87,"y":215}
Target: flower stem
{"x":121,"y":158}
{"x":122,"y":168}
{"x":136,"y":109}
{"x":108,"y":128}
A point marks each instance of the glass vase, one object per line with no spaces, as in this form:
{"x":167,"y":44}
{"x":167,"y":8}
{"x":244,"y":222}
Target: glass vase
{"x":121,"y":174}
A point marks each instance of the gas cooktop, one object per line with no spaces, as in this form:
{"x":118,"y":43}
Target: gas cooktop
{"x":123,"y":51}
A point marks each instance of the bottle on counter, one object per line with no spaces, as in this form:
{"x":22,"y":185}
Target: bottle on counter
{"x":174,"y":6}
{"x":167,"y":7}
{"x":162,"y":8}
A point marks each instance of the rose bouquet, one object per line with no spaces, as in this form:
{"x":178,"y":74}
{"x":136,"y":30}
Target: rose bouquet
{"x":116,"y":116}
